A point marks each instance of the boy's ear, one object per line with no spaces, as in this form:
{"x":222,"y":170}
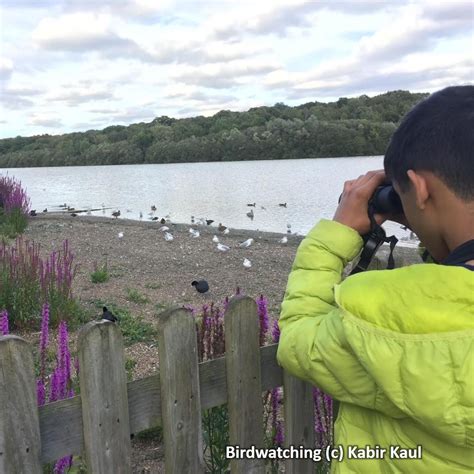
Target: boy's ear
{"x":420,"y":187}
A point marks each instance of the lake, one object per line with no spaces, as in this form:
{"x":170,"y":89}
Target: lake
{"x":217,"y":190}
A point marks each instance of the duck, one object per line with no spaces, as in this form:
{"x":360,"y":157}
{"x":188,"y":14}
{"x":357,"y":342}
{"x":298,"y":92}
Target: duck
{"x":33,"y":213}
{"x":209,"y":221}
{"x":201,"y":286}
{"x":45,"y":209}
{"x":250,"y":214}
{"x":221,"y":228}
{"x":282,"y":204}
{"x":252,"y":205}
{"x":162,"y":220}
{"x":153,"y":208}
{"x":116,"y":214}
{"x":283,"y":240}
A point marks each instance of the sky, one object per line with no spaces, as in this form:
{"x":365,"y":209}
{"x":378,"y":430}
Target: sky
{"x":69,"y":66}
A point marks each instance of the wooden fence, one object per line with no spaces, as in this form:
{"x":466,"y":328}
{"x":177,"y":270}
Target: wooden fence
{"x":98,"y":423}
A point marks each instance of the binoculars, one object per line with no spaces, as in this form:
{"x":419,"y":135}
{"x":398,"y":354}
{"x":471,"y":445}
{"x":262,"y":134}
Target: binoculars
{"x":385,"y":200}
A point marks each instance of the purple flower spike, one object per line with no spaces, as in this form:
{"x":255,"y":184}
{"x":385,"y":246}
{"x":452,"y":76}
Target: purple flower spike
{"x":40,"y":392}
{"x":44,"y":338}
{"x":275,"y":331}
{"x":4,"y":323}
{"x":263,"y":317}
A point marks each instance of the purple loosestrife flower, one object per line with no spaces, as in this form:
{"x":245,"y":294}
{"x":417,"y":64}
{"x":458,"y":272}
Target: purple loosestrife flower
{"x":63,"y":465}
{"x":275,"y":331}
{"x":263,"y":318}
{"x":4,"y":323}
{"x":279,"y":434}
{"x":64,"y":358}
{"x":40,"y":392}
{"x":44,"y":338}
{"x":54,"y":390}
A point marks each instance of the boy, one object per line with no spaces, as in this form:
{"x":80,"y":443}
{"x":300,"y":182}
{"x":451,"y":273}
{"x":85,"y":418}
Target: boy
{"x":396,"y":347}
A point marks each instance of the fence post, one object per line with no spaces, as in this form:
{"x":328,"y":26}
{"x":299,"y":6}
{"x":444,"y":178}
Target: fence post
{"x":104,"y":399}
{"x":299,"y":421}
{"x":180,"y":397}
{"x":20,"y":442}
{"x":244,"y":392}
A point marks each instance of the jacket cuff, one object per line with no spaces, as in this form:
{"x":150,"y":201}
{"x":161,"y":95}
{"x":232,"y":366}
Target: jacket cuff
{"x":337,"y":238}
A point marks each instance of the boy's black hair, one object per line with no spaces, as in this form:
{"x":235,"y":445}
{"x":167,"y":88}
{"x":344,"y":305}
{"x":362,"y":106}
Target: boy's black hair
{"x":437,"y":135}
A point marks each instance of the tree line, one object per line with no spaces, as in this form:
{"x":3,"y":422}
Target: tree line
{"x":347,"y":127}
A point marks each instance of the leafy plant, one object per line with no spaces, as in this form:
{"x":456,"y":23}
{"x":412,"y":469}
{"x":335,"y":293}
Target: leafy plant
{"x":100,"y":274}
{"x":136,"y":297}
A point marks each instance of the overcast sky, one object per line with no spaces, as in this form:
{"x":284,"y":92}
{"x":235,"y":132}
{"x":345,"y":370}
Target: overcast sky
{"x":75,"y":65}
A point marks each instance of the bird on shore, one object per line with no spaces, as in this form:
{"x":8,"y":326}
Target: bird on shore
{"x":282,"y":204}
{"x":283,"y":240}
{"x":45,"y":210}
{"x":247,"y":263}
{"x":153,"y":208}
{"x":163,"y":220}
{"x":164,"y":228}
{"x":192,"y":219}
{"x":73,"y":214}
{"x":194,"y":233}
{"x":215,"y":239}
{"x":246,"y":243}
{"x":288,"y":227}
{"x":120,"y":235}
{"x":140,"y":215}
{"x":209,"y":221}
{"x":221,"y":227}
{"x":226,"y":231}
{"x":222,"y":247}
{"x":201,"y":286}
{"x":251,"y":205}
{"x":33,"y":213}
{"x":70,"y":208}
{"x":250,"y":214}
{"x":116,"y":214}
{"x":154,"y":218}
{"x":109,"y":316}
{"x":168,"y":237}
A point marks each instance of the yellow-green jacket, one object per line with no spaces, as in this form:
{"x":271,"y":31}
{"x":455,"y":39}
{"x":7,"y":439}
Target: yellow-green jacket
{"x":394,"y":346}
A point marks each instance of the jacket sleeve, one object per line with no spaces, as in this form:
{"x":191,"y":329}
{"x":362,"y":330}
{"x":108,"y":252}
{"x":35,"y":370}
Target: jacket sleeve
{"x":313,"y":344}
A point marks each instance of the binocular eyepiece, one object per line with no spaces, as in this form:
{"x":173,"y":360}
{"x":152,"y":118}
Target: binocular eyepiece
{"x":385,"y":200}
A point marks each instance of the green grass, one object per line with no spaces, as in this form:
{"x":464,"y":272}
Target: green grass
{"x":12,"y":224}
{"x":100,"y":274}
{"x":134,"y":328}
{"x":136,"y":297}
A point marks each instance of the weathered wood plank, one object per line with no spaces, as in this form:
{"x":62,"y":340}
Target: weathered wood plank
{"x":104,"y":399}
{"x":244,"y":384}
{"x":299,"y":421}
{"x":180,"y":397}
{"x":61,"y":422}
{"x":20,"y":444}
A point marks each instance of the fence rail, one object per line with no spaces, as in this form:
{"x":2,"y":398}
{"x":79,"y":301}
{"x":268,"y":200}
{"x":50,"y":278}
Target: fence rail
{"x":97,"y":424}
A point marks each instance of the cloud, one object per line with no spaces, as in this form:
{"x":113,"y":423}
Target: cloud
{"x":79,"y":96}
{"x":409,"y":36}
{"x":6,"y":68}
{"x":45,"y":121}
{"x":132,"y":114}
{"x":222,"y":75}
{"x":82,"y":32}
{"x":15,"y":98}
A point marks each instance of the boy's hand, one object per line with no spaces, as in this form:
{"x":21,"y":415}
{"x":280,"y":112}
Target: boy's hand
{"x":353,"y":208}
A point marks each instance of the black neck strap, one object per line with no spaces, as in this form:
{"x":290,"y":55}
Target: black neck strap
{"x":461,"y":254}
